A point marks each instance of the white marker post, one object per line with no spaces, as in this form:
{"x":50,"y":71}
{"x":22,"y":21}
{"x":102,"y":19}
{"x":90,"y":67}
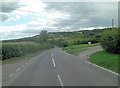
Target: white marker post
{"x":89,"y":42}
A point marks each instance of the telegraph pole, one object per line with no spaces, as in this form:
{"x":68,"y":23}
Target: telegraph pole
{"x":119,"y":14}
{"x":112,"y":23}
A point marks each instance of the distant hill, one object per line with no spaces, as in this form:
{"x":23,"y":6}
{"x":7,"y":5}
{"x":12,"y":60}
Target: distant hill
{"x":53,"y":35}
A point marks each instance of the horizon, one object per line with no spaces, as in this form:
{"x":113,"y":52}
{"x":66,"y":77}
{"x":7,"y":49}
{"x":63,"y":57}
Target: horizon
{"x":53,"y":32}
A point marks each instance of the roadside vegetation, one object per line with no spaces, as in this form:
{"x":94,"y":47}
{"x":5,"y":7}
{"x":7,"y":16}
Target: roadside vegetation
{"x":75,"y":51}
{"x":109,"y":58}
{"x":28,"y":56}
{"x":13,"y":51}
{"x":110,"y":41}
{"x":80,"y":46}
{"x":104,"y":59}
{"x":17,"y":50}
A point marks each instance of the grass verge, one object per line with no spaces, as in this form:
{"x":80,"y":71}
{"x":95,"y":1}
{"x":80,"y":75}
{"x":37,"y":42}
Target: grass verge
{"x":80,"y":46}
{"x":28,"y":56}
{"x":75,"y":51}
{"x":106,"y":60}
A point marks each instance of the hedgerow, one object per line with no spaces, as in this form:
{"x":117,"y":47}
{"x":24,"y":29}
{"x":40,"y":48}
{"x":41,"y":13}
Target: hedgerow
{"x":110,"y":41}
{"x":16,"y":50}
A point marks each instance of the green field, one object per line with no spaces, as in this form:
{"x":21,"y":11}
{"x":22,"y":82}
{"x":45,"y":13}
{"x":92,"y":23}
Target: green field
{"x":104,"y":59}
{"x":80,"y":46}
{"x":28,"y":56}
{"x":75,"y":51}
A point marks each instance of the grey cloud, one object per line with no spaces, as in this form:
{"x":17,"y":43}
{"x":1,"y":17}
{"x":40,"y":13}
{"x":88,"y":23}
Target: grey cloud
{"x":6,"y":7}
{"x":9,"y":6}
{"x":85,"y":14}
{"x":3,"y":17}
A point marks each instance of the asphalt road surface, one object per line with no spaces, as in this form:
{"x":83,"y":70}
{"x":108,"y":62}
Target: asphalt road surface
{"x":56,"y":68}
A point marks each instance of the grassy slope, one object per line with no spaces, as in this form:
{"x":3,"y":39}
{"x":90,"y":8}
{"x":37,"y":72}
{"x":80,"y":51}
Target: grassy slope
{"x":75,"y":51}
{"x":107,"y":60}
{"x":80,"y":46}
{"x":28,"y":56}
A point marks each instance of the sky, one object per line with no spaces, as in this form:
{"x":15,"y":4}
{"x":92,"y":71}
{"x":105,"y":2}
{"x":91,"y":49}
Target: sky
{"x":26,"y":18}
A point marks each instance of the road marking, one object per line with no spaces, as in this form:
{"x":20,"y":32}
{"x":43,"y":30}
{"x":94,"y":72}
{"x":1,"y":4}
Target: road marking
{"x":61,"y":49}
{"x":11,"y":75}
{"x":51,"y":55}
{"x":22,"y":65}
{"x":18,"y":69}
{"x":53,"y":62}
{"x":26,"y":63}
{"x":102,"y":68}
{"x":67,"y":53}
{"x":61,"y":83}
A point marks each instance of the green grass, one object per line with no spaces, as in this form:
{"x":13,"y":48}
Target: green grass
{"x":75,"y":51}
{"x":28,"y":56}
{"x":104,"y":59}
{"x":80,"y":46}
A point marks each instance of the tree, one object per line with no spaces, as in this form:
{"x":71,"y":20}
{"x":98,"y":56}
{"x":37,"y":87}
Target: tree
{"x":43,"y":37}
{"x":110,"y":41}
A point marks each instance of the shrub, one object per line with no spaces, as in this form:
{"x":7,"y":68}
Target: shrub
{"x":16,"y":50}
{"x":110,"y":41}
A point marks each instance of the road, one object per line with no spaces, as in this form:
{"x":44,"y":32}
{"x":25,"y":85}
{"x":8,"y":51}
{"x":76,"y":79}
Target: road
{"x":56,"y":68}
{"x":85,"y":54}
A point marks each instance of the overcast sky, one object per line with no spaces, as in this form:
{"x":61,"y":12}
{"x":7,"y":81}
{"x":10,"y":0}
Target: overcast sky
{"x":24,"y":18}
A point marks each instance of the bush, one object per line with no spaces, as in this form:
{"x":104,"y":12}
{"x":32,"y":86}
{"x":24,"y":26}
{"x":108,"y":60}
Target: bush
{"x":110,"y":41}
{"x":16,"y":50}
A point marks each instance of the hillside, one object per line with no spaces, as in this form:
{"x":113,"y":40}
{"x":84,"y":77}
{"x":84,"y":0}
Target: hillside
{"x":65,"y":35}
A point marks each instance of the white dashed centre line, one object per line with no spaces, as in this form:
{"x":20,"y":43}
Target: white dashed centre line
{"x":22,"y":65}
{"x":11,"y":75}
{"x":53,"y":62}
{"x":61,"y":83}
{"x":18,"y":69}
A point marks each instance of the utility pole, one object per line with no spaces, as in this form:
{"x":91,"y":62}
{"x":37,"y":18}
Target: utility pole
{"x":112,"y":23}
{"x":118,"y":14}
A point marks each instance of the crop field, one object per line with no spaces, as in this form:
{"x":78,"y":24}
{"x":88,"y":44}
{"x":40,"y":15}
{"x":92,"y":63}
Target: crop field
{"x":19,"y":43}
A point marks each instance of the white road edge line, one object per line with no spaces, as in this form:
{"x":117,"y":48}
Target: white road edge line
{"x":102,"y":68}
{"x":26,"y":63}
{"x":11,"y":75}
{"x":67,"y":53}
{"x":22,"y":65}
{"x":18,"y":69}
{"x":61,"y":83}
{"x":53,"y":62}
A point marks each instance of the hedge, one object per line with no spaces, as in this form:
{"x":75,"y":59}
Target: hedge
{"x":16,"y":50}
{"x":110,"y":41}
